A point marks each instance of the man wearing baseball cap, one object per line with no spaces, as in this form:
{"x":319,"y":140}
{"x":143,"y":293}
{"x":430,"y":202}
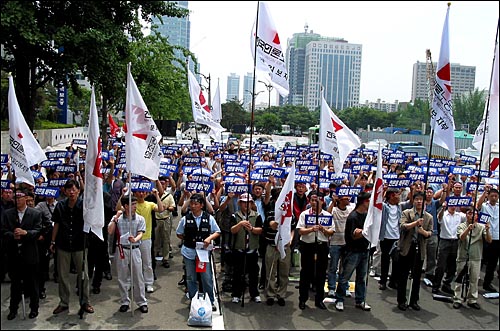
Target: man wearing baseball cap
{"x":246,"y":227}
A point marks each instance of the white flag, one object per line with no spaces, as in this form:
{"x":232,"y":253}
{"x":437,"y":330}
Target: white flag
{"x":487,"y":130}
{"x":442,"y":111}
{"x":283,"y":213}
{"x":93,"y":200}
{"x":201,"y":110}
{"x":371,"y":228}
{"x":216,"y":113}
{"x":216,"y":106}
{"x":477,"y":141}
{"x":143,"y":153}
{"x":493,"y":128}
{"x":335,"y":137}
{"x":270,"y":57}
{"x":24,"y":149}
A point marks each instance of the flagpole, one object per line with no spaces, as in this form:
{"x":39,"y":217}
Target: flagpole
{"x":370,"y":255}
{"x":129,"y":175}
{"x":23,"y":301}
{"x":250,"y":151}
{"x":486,"y":123}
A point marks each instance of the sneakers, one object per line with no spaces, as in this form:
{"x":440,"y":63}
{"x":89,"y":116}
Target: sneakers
{"x":331,"y":294}
{"x":256,"y":299}
{"x":270,"y":301}
{"x":372,"y":273}
{"x":149,"y":289}
{"x":235,"y":300}
{"x":339,"y":306}
{"x":457,"y":305}
{"x":348,"y":293}
{"x":364,"y":306}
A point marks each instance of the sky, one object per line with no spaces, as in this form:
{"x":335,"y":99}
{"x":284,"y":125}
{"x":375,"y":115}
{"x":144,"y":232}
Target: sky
{"x":394,"y":36}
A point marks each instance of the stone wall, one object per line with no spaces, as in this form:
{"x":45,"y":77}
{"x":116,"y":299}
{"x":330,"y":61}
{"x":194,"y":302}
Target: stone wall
{"x":50,"y":137}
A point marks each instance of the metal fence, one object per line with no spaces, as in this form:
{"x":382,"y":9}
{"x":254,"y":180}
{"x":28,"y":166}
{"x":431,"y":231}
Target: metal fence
{"x":439,"y":151}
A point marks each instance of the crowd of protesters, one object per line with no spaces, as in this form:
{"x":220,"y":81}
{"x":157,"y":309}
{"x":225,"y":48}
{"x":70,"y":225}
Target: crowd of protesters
{"x":226,"y":196}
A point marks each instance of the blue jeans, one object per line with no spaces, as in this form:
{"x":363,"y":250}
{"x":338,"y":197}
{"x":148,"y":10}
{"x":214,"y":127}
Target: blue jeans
{"x":335,"y":255}
{"x":192,"y":280}
{"x":353,"y":261}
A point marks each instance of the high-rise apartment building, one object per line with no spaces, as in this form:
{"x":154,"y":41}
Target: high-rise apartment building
{"x":463,"y":80}
{"x":233,"y":87}
{"x":247,"y":90}
{"x":333,"y":64}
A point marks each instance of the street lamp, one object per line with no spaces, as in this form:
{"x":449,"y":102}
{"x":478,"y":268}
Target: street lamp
{"x":253,"y":96}
{"x":269,"y":89}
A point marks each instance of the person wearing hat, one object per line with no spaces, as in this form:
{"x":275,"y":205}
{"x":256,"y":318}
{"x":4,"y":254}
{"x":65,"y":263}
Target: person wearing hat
{"x":197,"y":226}
{"x":20,"y":229}
{"x":314,"y":251}
{"x":246,"y":227}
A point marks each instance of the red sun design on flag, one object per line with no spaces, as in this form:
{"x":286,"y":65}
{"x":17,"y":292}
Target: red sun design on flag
{"x":20,"y":135}
{"x":379,"y":193}
{"x":445,"y":75}
{"x":203,"y":102}
{"x":287,"y":207}
{"x":141,"y":123}
{"x":97,"y":165}
{"x":337,"y":126}
{"x":276,"y":39}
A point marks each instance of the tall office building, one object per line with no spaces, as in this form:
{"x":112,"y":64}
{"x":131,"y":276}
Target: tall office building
{"x":233,"y":87}
{"x":177,"y":30}
{"x":295,"y":58}
{"x":247,"y":90}
{"x":463,"y":80}
{"x":335,"y":65}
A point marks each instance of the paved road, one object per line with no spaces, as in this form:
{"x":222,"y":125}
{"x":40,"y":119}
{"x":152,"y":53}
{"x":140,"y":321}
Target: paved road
{"x":168,"y":309}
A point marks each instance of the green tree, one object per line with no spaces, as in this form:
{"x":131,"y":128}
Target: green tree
{"x":267,"y":122}
{"x":49,"y":41}
{"x":234,"y":113}
{"x":162,"y":77}
{"x":468,"y":109}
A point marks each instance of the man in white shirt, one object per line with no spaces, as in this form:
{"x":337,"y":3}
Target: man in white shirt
{"x":490,"y":207}
{"x":449,"y":218}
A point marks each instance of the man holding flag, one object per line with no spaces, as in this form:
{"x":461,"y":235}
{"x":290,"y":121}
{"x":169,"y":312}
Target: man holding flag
{"x":279,"y":233}
{"x":357,"y":252}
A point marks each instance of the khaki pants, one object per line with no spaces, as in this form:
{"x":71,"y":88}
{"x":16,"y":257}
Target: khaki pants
{"x":63,"y":266}
{"x":277,"y":270}
{"x":474,"y":269}
{"x":163,"y":231}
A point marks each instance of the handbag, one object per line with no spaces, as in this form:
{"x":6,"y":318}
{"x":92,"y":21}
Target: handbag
{"x":200,"y":312}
